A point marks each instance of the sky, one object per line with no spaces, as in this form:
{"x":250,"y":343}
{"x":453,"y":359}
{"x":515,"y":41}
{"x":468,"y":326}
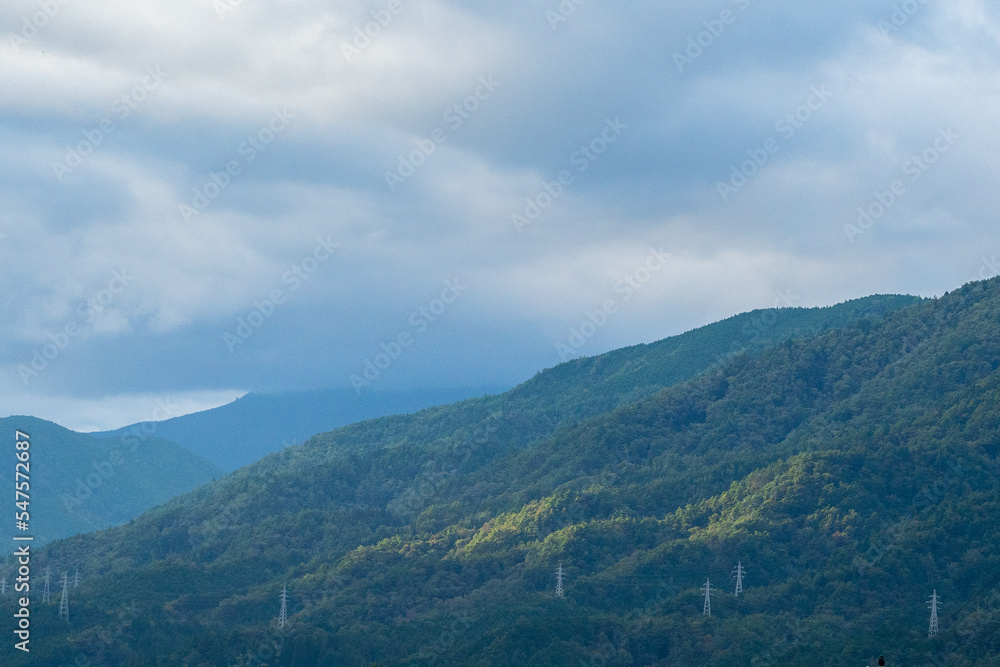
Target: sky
{"x":208,"y":197}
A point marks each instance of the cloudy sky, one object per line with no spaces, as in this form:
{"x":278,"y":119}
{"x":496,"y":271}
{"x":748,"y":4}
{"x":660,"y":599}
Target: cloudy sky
{"x":208,"y":197}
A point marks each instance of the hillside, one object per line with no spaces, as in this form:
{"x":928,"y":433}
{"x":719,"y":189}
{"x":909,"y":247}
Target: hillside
{"x":851,"y":472}
{"x":81,"y":484}
{"x":248,"y":429}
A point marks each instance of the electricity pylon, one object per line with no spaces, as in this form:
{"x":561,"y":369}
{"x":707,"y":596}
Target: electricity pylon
{"x":559,"y":577}
{"x":76,"y":578}
{"x":283,"y":614}
{"x":934,"y":622}
{"x":707,"y":609}
{"x":64,"y":602}
{"x":739,"y":578}
{"x":3,"y":586}
{"x":45,"y":591}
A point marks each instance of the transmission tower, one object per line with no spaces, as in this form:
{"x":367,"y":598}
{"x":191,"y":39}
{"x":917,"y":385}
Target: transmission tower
{"x":707,"y":609}
{"x":45,"y":591}
{"x":934,"y":622}
{"x":739,"y":578}
{"x":559,"y":577}
{"x":3,"y":586}
{"x":76,"y":578}
{"x":283,"y":614}
{"x":64,"y":602}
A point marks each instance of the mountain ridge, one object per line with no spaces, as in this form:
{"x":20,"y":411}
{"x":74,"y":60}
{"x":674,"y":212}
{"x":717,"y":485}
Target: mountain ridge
{"x":81,"y":483}
{"x":258,"y":423}
{"x":820,"y":462}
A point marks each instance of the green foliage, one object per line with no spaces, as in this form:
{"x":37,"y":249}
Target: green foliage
{"x":849,"y":463}
{"x":80,"y":484}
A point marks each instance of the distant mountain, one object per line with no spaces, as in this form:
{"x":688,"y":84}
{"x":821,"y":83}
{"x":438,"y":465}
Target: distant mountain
{"x":79,"y":483}
{"x":852,"y":469}
{"x":248,"y":429}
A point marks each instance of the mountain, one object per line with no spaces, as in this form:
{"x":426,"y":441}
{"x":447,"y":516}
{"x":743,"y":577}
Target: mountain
{"x":239,"y":433}
{"x":851,"y":471}
{"x":79,"y":484}
{"x":250,"y":428}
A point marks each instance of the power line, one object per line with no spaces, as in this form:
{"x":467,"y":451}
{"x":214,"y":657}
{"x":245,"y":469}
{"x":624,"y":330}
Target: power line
{"x":975,"y":595}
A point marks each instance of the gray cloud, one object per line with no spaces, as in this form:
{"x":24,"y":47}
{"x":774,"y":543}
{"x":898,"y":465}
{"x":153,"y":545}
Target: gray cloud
{"x":897,"y":74}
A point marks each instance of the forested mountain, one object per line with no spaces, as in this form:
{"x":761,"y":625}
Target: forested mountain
{"x":79,"y":484}
{"x":851,"y":472}
{"x":256,"y":425}
{"x":248,"y":429}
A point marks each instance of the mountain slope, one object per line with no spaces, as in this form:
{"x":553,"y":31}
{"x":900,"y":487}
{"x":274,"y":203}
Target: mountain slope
{"x":256,"y":425}
{"x":248,"y":429}
{"x":848,"y":471}
{"x":80,"y":484}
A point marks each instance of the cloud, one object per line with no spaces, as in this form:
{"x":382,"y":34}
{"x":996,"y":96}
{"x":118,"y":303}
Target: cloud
{"x":111,"y":412}
{"x":203,"y":130}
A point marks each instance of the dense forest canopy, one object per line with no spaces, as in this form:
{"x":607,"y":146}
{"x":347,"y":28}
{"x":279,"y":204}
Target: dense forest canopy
{"x":849,"y":465}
